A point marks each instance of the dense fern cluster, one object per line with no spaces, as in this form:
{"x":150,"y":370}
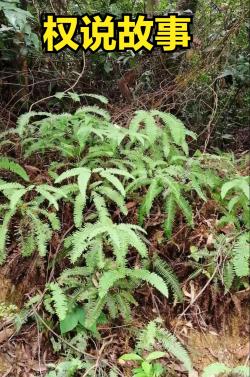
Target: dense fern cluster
{"x":100,"y":168}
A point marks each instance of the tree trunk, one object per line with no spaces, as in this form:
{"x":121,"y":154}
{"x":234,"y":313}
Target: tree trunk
{"x":187,"y":4}
{"x":151,"y":6}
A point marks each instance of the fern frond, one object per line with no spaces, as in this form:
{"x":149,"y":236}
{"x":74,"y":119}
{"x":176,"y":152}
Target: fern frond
{"x":241,"y":255}
{"x":95,"y":110}
{"x":114,"y":181}
{"x":52,"y":217}
{"x":79,"y":205}
{"x":228,"y":275}
{"x":42,"y":234}
{"x":123,"y":307}
{"x":59,"y":300}
{"x":83,"y":179}
{"x":115,"y":196}
{"x":3,"y":234}
{"x":84,"y":172}
{"x":153,"y":191}
{"x":150,"y":277}
{"x":14,"y":167}
{"x":147,"y":337}
{"x":112,"y":306}
{"x":108,"y":279}
{"x":166,"y":272}
{"x":134,"y":239}
{"x":170,"y":342}
{"x":24,"y":119}
{"x":241,"y":370}
{"x":186,"y":209}
{"x":215,"y":369}
{"x":47,"y":195}
{"x":170,"y":208}
{"x":175,"y":126}
{"x":16,"y":197}
{"x":94,"y":312}
{"x":102,"y":211}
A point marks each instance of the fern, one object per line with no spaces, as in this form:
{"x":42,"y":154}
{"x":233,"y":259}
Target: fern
{"x":147,"y":336}
{"x":79,"y":205}
{"x":101,"y":208}
{"x":120,"y":236}
{"x":115,"y":197}
{"x":3,"y":233}
{"x":113,"y":180}
{"x":94,"y":312}
{"x":241,"y":370}
{"x":228,"y":275}
{"x":59,"y":300}
{"x":7,"y":164}
{"x":95,"y":110}
{"x":215,"y":369}
{"x":171,"y":344}
{"x":170,"y":208}
{"x":241,"y":255}
{"x":154,"y":334}
{"x":166,"y":272}
{"x":153,"y":191}
{"x":109,"y":278}
{"x":150,"y":277}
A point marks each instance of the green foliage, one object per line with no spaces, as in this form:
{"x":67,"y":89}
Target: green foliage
{"x":35,"y":224}
{"x":154,"y":335}
{"x":234,"y":250}
{"x":12,"y":166}
{"x":238,"y":203}
{"x":217,"y":369}
{"x":146,"y":368}
{"x":17,"y":20}
{"x":166,"y":272}
{"x":69,"y":134}
{"x":66,"y":368}
{"x":118,"y":236}
{"x":59,"y":300}
{"x":99,"y":168}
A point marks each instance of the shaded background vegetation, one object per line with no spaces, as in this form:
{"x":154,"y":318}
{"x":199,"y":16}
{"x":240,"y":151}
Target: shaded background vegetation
{"x":206,"y":86}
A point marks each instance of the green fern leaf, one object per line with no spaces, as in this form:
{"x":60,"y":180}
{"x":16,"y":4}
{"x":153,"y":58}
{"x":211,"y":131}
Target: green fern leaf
{"x":215,"y":369}
{"x":72,"y":173}
{"x":241,"y":255}
{"x":166,"y":272}
{"x":59,"y":300}
{"x":147,"y":337}
{"x":7,"y":164}
{"x":47,"y":195}
{"x":170,"y":208}
{"x":228,"y":275}
{"x":241,"y":370}
{"x":108,"y":280}
{"x":170,"y":342}
{"x":83,"y":179}
{"x":79,"y":205}
{"x":115,"y":196}
{"x":3,"y":234}
{"x":95,"y":110}
{"x":150,"y":277}
{"x":114,"y":181}
{"x":134,"y":239}
{"x":16,"y":197}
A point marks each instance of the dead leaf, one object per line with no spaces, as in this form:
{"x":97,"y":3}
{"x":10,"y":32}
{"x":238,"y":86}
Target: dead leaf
{"x":6,"y":334}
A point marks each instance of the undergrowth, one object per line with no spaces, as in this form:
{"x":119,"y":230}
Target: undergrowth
{"x":98,"y":168}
